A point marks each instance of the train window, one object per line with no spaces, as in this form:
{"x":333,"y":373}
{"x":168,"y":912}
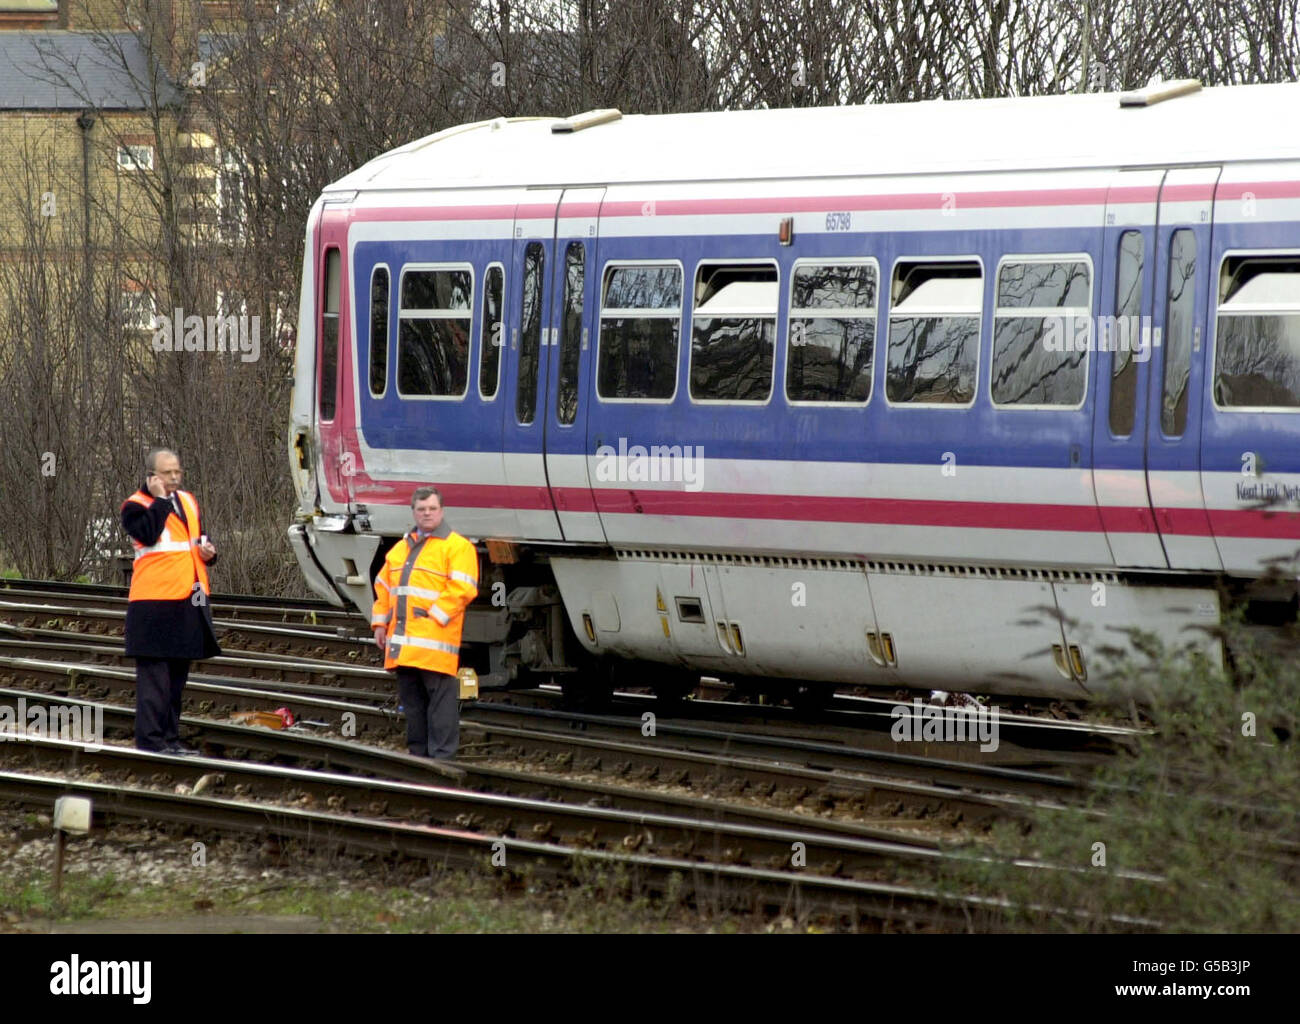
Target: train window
{"x":530,"y":344}
{"x":329,"y":334}
{"x":493,"y":332}
{"x":640,"y":323}
{"x":934,"y":333}
{"x":1042,"y":330}
{"x":1257,"y":337}
{"x":378,"y":331}
{"x":575,"y":263}
{"x":433,"y":331}
{"x":831,"y":333}
{"x":1126,"y":344}
{"x":1179,"y":313}
{"x":733,"y":332}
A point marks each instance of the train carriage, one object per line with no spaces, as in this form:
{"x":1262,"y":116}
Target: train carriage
{"x":911,"y":395}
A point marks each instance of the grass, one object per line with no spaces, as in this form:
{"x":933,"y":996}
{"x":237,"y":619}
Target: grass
{"x":439,"y":901}
{"x":1209,"y":804}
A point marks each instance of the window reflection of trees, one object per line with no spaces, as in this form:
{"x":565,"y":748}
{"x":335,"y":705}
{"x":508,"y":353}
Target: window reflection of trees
{"x":1257,"y":361}
{"x":433,"y":351}
{"x":433,"y":356}
{"x":638,"y":354}
{"x":530,"y":334}
{"x":1128,"y":312}
{"x":731,"y":358}
{"x":1178,"y":332}
{"x":571,"y":332}
{"x":1043,"y":285}
{"x":835,"y":286}
{"x":379,"y":330}
{"x":830,"y":356}
{"x":932,"y":359}
{"x":638,"y":357}
{"x":644,"y":288}
{"x":437,"y":289}
{"x":830,"y":359}
{"x":1026,"y":370}
{"x":493,"y":333}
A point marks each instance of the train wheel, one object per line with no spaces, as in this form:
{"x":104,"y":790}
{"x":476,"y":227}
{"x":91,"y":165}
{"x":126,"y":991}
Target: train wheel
{"x":590,"y":688}
{"x":672,"y":688}
{"x":811,"y":698}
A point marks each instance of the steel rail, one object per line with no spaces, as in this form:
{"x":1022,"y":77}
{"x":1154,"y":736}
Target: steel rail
{"x":705,"y":882}
{"x":764,"y":840}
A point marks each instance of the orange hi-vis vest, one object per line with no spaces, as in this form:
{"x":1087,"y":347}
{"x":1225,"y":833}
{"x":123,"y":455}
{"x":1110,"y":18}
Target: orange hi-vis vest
{"x":168,"y":569}
{"x":421,"y":592}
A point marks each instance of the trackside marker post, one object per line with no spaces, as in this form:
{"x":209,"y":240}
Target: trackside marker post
{"x":71,"y":814}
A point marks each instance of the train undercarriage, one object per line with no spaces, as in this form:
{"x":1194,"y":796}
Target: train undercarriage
{"x":587,"y":618}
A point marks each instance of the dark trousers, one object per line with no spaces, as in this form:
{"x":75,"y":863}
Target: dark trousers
{"x":431,"y":700}
{"x":159,"y":684}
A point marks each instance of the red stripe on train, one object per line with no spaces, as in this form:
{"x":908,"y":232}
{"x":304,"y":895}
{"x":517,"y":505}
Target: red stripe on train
{"x":971,"y":515}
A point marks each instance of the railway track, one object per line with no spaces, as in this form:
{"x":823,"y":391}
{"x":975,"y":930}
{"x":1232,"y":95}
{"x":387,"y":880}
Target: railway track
{"x":755,"y":865}
{"x":1024,"y":740}
{"x":726,"y":766}
{"x":542,"y":750}
{"x":338,"y":642}
{"x":245,"y":607}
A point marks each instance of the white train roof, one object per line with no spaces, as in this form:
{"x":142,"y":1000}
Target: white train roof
{"x":1234,"y":123}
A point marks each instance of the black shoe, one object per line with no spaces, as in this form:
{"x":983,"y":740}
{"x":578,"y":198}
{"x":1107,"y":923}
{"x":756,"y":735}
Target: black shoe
{"x":180,"y":750}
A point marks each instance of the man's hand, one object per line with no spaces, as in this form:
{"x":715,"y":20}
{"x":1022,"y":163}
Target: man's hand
{"x":207,"y":551}
{"x":381,"y":638}
{"x":156,"y":486}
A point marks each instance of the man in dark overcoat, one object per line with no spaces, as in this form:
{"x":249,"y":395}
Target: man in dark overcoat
{"x":168,"y":616}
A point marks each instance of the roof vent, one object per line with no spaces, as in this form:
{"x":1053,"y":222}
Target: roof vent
{"x":1159,"y":92}
{"x":579,"y":122}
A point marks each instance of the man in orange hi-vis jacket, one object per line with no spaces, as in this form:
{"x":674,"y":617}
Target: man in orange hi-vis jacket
{"x":168,"y":618}
{"x":427,"y":580}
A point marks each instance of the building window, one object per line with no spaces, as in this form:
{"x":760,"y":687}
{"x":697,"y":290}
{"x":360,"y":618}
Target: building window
{"x":640,"y":324}
{"x":135,"y":158}
{"x":232,"y":206}
{"x":137,"y":310}
{"x":433,"y":332}
{"x":1042,"y":328}
{"x":832,"y":333}
{"x":1257,"y":336}
{"x":934,"y":333}
{"x":733,"y":332}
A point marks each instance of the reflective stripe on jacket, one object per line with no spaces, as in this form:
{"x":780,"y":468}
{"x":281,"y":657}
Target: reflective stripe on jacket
{"x":421,"y":593}
{"x":168,"y":569}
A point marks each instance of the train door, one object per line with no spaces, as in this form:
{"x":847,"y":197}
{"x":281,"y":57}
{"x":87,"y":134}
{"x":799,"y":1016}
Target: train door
{"x":526,"y":368}
{"x":1176,"y":376}
{"x":1124,"y":340}
{"x":1250,"y":445}
{"x":302,"y":446}
{"x":334,"y":414}
{"x":574,"y":296}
